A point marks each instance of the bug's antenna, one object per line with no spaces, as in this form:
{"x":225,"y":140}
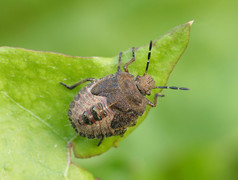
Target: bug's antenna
{"x":171,"y":87}
{"x":119,"y":63}
{"x":149,"y":54}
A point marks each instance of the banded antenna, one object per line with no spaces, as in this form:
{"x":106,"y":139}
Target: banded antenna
{"x":171,"y":87}
{"x":119,"y":63}
{"x":148,"y":61}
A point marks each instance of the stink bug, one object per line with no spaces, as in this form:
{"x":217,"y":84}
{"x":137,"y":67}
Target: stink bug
{"x":108,"y":106}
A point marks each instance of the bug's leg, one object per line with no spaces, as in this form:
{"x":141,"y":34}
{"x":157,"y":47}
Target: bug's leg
{"x":119,"y":63}
{"x":100,"y":142}
{"x":78,"y":83}
{"x":155,"y":100}
{"x":131,"y":61}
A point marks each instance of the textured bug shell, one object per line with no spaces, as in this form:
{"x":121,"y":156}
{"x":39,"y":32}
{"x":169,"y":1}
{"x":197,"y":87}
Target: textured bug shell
{"x":81,"y":104}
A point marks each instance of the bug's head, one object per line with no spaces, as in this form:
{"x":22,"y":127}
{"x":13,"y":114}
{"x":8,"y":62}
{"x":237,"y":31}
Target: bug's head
{"x":145,"y":84}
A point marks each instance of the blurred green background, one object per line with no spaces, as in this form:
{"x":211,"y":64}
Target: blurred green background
{"x":190,"y":135}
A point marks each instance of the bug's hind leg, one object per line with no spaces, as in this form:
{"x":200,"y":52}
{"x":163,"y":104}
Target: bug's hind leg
{"x":155,"y":100}
{"x":131,"y":61}
{"x":100,"y":142}
{"x":78,"y":83}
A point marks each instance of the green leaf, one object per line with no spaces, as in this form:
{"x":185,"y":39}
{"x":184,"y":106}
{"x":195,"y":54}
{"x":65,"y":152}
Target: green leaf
{"x":33,"y":105}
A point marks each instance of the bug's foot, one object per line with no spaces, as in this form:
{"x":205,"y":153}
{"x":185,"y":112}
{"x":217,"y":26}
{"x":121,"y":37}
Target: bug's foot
{"x":100,"y":142}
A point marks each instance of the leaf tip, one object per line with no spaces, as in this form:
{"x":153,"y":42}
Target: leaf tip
{"x":190,"y":22}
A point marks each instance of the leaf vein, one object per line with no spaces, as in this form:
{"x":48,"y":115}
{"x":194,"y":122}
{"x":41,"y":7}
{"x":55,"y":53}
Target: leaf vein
{"x":34,"y":115}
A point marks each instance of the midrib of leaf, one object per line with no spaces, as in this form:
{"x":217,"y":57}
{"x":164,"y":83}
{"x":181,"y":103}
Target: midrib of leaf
{"x":34,"y":115}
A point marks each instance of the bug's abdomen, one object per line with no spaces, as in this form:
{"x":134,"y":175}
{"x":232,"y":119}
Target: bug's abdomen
{"x":90,"y":116}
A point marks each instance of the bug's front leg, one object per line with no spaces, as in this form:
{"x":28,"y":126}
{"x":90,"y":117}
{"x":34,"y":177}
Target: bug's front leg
{"x":131,"y":61}
{"x":78,"y":83}
{"x":155,"y":100}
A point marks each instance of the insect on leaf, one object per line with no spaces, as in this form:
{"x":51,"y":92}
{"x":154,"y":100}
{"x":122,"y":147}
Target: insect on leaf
{"x":33,"y":105}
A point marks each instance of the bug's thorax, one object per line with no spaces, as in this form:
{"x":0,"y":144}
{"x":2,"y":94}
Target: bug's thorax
{"x":145,"y":84}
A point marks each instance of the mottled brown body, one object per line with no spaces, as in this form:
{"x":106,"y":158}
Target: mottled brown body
{"x":110,"y":104}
